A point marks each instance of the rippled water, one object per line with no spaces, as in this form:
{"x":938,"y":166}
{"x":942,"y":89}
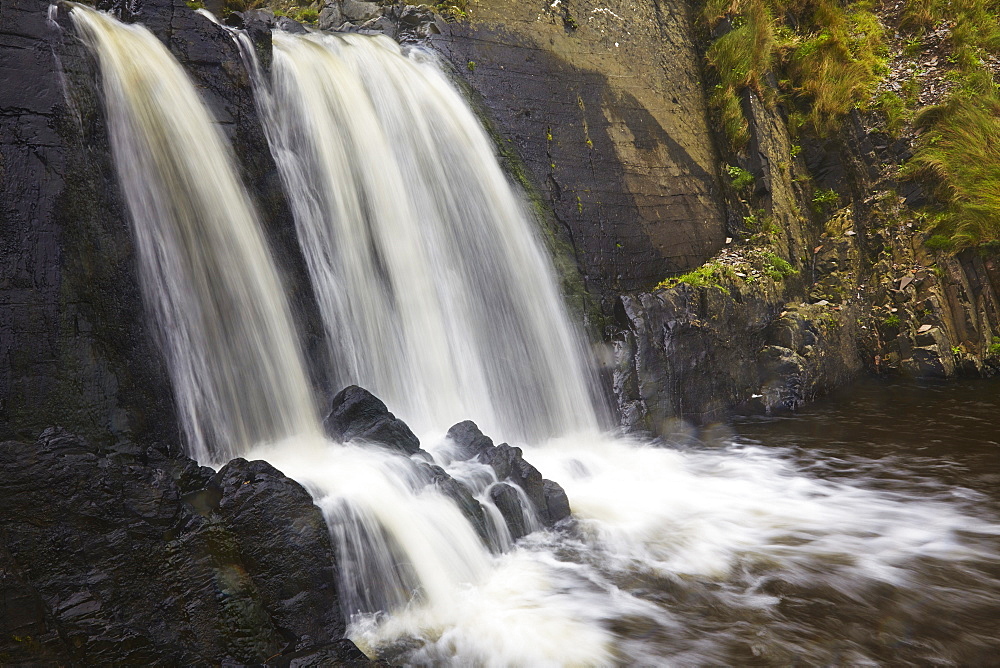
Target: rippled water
{"x":929,"y":447}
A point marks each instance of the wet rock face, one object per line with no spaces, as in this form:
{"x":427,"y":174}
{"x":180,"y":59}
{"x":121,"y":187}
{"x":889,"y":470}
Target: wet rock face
{"x":462,"y":497}
{"x":143,"y":557}
{"x":357,"y":414}
{"x":508,"y":502}
{"x":604,"y":107}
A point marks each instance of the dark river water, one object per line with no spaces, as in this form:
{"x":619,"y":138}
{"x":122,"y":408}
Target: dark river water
{"x":932,"y":448}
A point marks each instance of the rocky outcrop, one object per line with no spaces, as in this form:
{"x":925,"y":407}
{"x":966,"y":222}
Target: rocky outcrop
{"x":547,"y":497}
{"x":698,"y":353}
{"x":868,"y":294}
{"x":357,"y":415}
{"x":139,"y":556}
{"x":462,"y":496}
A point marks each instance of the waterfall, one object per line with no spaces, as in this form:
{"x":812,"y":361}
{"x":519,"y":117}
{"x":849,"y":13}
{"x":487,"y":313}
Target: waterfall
{"x":209,"y":282}
{"x":438,"y":297}
{"x":436,"y":293}
{"x":221,"y":317}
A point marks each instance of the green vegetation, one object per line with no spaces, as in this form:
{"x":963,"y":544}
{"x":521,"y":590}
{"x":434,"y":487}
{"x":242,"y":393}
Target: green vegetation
{"x":958,"y":155}
{"x":824,"y":199}
{"x":449,"y":9}
{"x":828,"y":58}
{"x":941,"y":242}
{"x":740,"y":58}
{"x":778,"y":267}
{"x":892,"y":321}
{"x":760,"y":225}
{"x":741,"y":178}
{"x":709,"y":275}
{"x":307,"y":15}
{"x":899,"y":107}
{"x":994,"y":348}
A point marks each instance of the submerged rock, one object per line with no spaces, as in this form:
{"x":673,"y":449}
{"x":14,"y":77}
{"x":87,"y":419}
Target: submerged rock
{"x":105,"y":560}
{"x":509,"y":464}
{"x":357,"y":414}
{"x":462,"y":497}
{"x":508,"y":502}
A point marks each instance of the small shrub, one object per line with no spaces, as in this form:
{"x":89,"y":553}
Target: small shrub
{"x":957,"y":156}
{"x":892,"y":321}
{"x":778,"y":267}
{"x":828,"y":57}
{"x":898,"y":113}
{"x":825,"y":197}
{"x":707,"y":275}
{"x":452,"y":9}
{"x":740,"y":178}
{"x":307,"y":15}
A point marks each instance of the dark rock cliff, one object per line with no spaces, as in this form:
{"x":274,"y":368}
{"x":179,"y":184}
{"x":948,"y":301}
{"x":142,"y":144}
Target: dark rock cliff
{"x":117,"y":557}
{"x":73,"y":344}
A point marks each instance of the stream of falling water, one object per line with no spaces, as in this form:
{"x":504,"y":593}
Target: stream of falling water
{"x":210,"y":285}
{"x":435,"y":290}
{"x":430,"y":277}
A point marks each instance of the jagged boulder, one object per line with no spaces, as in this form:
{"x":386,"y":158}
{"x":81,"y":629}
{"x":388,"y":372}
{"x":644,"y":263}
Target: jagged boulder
{"x":330,"y":16}
{"x":556,"y":501}
{"x":509,"y":464}
{"x":357,"y":414}
{"x":469,"y":439}
{"x":356,"y":11}
{"x":133,"y":556}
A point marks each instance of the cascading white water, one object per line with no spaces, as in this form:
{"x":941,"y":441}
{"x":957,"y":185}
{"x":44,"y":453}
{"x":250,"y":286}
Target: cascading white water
{"x":674,"y":554}
{"x":436,"y":293}
{"x":208,"y":279}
